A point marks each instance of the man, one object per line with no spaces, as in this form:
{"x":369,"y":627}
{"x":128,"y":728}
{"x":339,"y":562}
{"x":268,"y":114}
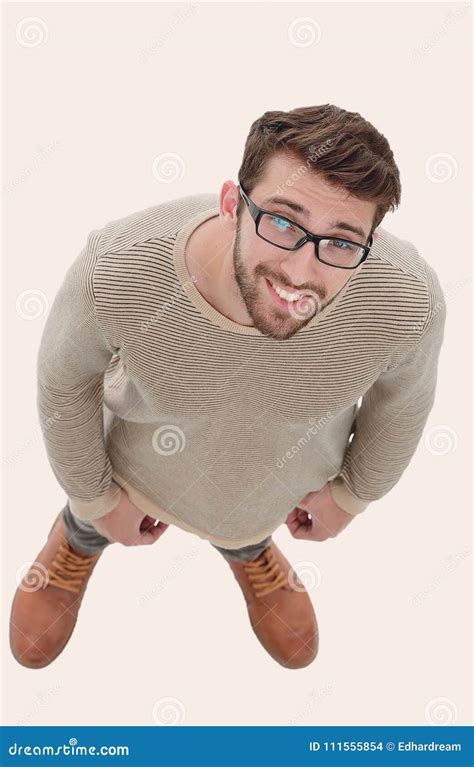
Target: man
{"x":231,"y":363}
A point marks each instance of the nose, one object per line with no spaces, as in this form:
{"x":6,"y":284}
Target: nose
{"x":300,"y":266}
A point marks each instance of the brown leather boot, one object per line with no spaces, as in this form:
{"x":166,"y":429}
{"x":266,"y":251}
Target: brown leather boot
{"x":280,"y":610}
{"x":46,"y":603}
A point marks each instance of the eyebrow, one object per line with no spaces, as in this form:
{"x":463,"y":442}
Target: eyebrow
{"x":278,"y":200}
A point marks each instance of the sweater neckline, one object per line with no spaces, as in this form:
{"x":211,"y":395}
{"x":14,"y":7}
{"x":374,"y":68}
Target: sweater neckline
{"x":204,"y":307}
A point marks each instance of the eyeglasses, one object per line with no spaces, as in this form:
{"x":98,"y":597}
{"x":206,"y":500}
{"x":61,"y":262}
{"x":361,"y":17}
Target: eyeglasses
{"x":284,"y":233}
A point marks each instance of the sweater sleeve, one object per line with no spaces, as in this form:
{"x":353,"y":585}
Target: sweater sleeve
{"x":392,"y":416}
{"x":72,"y":359}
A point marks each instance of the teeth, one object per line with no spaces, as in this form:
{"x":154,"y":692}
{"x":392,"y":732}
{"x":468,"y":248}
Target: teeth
{"x":283,"y":293}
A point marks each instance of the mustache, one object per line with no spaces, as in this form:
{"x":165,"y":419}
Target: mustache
{"x":318,"y":290}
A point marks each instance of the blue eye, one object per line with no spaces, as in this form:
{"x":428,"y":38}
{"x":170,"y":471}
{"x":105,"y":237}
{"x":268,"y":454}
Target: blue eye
{"x":345,"y":245}
{"x":280,"y":223}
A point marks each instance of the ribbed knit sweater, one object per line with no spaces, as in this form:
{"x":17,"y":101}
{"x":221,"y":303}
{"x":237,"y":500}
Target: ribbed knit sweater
{"x":213,"y":426}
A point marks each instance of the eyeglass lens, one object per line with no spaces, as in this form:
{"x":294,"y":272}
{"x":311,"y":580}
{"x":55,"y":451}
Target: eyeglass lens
{"x":336,"y":252}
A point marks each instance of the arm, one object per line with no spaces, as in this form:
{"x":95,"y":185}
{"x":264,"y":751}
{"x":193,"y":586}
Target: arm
{"x":72,"y":359}
{"x":392,"y":416}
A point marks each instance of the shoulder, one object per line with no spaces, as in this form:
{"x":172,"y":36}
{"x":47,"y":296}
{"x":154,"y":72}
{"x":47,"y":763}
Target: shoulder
{"x":405,"y":282}
{"x":154,"y":222}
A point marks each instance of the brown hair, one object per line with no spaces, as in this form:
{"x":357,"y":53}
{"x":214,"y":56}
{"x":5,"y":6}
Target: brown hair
{"x":341,"y":146}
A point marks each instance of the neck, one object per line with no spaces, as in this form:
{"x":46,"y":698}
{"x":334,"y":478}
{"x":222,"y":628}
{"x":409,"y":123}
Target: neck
{"x":209,"y":259}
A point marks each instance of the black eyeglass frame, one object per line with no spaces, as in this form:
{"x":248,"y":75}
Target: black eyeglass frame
{"x":257,"y":214}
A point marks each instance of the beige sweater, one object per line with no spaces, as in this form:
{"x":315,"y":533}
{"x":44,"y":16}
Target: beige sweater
{"x":210,"y":425}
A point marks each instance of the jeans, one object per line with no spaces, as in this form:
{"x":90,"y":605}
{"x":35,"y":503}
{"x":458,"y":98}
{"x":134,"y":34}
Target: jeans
{"x":84,"y":538}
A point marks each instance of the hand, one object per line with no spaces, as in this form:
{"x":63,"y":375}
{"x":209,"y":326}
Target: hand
{"x":326,"y":521}
{"x":128,"y":525}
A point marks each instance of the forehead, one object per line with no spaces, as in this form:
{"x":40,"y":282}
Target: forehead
{"x":289,"y":177}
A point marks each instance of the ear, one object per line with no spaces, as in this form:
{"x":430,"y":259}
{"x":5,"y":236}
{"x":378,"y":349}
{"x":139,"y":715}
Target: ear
{"x":375,"y":235}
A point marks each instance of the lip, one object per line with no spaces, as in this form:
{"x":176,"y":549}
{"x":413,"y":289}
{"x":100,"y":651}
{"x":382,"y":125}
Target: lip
{"x":278,"y":300}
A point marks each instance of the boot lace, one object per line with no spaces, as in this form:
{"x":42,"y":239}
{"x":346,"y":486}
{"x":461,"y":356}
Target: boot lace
{"x":265,"y":573}
{"x":68,"y":569}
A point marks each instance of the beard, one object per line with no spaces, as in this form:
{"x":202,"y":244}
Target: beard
{"x":271,"y":320}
